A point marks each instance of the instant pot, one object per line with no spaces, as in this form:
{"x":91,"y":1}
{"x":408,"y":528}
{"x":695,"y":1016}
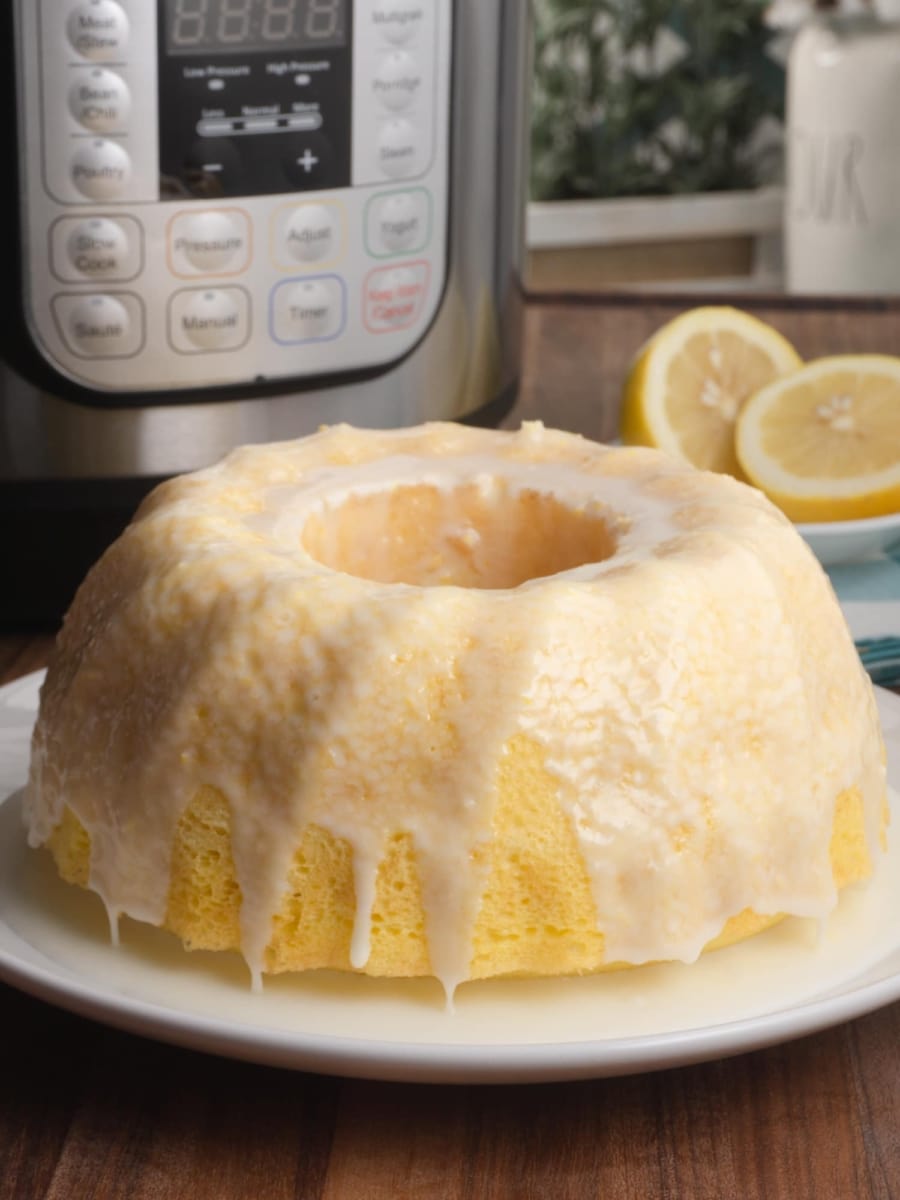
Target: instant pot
{"x":239,"y":220}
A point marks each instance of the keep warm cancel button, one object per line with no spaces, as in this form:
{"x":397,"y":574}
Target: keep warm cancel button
{"x":395,"y":296}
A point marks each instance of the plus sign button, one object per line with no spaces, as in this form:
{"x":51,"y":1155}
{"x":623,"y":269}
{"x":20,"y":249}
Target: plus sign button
{"x":309,"y":162}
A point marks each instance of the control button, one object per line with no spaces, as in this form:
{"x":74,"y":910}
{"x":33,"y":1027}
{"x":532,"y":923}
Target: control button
{"x":101,"y":169}
{"x":209,"y":242}
{"x":394,"y":296}
{"x":100,"y":326}
{"x":398,"y":222}
{"x":397,"y":81}
{"x":309,"y":163}
{"x":397,"y":20}
{"x":98,"y":30}
{"x":100,"y":100}
{"x":397,"y":150}
{"x":308,"y":310}
{"x":213,"y":168}
{"x":311,"y":233}
{"x":95,"y":248}
{"x":209,"y":319}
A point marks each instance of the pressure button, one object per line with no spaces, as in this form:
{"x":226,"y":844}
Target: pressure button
{"x":208,"y":243}
{"x":99,"y":30}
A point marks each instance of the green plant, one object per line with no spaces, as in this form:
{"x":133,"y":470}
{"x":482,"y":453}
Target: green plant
{"x":650,"y":97}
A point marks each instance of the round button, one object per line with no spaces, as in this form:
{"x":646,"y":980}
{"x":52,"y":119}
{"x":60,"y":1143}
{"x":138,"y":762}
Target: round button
{"x":311,"y":233}
{"x":100,"y":100}
{"x":211,"y":320}
{"x":98,"y":247}
{"x":99,"y":325}
{"x":209,"y":240}
{"x":101,"y":169}
{"x":98,"y":30}
{"x":397,"y":81}
{"x":307,"y":311}
{"x":397,"y":149}
{"x":309,"y":162}
{"x":397,"y":20}
{"x":398,"y":221}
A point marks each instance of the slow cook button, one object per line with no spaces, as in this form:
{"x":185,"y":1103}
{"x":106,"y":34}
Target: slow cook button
{"x":99,"y":325}
{"x":203,"y":243}
{"x":98,"y":30}
{"x":96,"y":248}
{"x":209,"y":319}
{"x":394,"y":297}
{"x":306,"y":310}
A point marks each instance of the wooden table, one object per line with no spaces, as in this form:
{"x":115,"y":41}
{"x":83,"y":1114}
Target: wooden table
{"x":86,"y":1111}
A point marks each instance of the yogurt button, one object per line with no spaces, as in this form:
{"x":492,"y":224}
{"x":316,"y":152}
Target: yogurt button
{"x":311,"y":233}
{"x":398,"y":80}
{"x":100,"y":100}
{"x":101,"y":169}
{"x":212,"y":320}
{"x":397,"y":149}
{"x":209,"y":240}
{"x":98,"y":30}
{"x":399,"y":220}
{"x":99,"y":326}
{"x":98,"y":248}
{"x":397,"y":20}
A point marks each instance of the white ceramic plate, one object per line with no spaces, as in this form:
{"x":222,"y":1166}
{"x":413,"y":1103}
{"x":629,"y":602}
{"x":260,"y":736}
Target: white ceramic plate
{"x":836,"y":542}
{"x":791,"y":981}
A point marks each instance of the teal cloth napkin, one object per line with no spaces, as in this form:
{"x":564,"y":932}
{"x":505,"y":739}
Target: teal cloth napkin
{"x":869,"y":593}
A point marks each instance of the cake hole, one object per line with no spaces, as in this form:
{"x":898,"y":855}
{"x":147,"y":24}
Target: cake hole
{"x":473,"y":536}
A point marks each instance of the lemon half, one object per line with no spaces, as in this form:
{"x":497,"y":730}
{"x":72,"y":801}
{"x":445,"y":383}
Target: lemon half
{"x":690,"y":381}
{"x":824,"y":444}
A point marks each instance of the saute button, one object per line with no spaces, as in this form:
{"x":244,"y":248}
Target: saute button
{"x":397,"y":81}
{"x":101,"y":169}
{"x":100,"y":100}
{"x":98,"y":30}
{"x":209,"y":319}
{"x":100,"y":326}
{"x":311,"y":233}
{"x":397,"y":20}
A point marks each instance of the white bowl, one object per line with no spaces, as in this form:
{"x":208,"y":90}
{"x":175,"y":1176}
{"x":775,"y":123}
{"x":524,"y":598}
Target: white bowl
{"x":836,"y":542}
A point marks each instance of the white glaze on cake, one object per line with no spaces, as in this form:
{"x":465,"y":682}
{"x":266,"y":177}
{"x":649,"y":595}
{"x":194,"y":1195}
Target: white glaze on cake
{"x":701,"y":674}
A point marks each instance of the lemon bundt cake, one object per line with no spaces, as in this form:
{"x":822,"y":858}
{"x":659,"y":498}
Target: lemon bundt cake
{"x":457,"y":702}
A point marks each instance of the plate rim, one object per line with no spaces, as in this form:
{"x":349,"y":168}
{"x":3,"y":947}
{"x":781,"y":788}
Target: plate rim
{"x":447,"y":1062}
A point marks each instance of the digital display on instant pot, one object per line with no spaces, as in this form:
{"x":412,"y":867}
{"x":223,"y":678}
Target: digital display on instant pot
{"x":236,"y":26}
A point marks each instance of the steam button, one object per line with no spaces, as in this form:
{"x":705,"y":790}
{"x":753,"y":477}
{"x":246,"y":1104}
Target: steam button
{"x":101,"y":169}
{"x":398,"y":150}
{"x":100,"y":100}
{"x":98,"y":30}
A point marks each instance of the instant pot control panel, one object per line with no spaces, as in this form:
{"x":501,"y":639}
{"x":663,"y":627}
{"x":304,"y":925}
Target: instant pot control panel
{"x":218,"y":192}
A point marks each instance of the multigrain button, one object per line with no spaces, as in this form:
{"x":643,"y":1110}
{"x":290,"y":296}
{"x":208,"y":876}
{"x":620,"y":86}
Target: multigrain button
{"x":100,"y":100}
{"x":311,"y":233}
{"x":98,"y":30}
{"x":397,"y":20}
{"x":207,"y":242}
{"x":209,"y":319}
{"x":398,"y":80}
{"x":398,"y":149}
{"x":101,"y":169}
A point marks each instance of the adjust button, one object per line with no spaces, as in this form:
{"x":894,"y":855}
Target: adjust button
{"x":100,"y":326}
{"x":98,"y":30}
{"x":101,"y":169}
{"x":100,"y":101}
{"x":311,"y":233}
{"x":206,"y":243}
{"x":207,"y":319}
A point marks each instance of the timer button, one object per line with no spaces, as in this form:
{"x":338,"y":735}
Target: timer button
{"x":397,"y":20}
{"x":397,"y":81}
{"x":309,"y":163}
{"x":311,"y":233}
{"x":101,"y":169}
{"x":308,"y":310}
{"x":398,"y":149}
{"x":207,"y":242}
{"x":100,"y":326}
{"x":100,"y":100}
{"x":209,"y":319}
{"x":98,"y":30}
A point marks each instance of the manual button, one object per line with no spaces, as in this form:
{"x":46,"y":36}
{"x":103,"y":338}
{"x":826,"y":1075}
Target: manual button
{"x":207,"y":319}
{"x":206,"y":243}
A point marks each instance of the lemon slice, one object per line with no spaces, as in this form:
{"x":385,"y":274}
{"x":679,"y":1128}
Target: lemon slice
{"x":687,"y":385}
{"x":824,"y":443}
